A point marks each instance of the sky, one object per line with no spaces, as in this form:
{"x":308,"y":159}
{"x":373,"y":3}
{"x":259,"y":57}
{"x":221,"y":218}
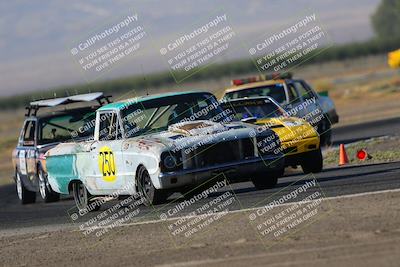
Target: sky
{"x":36,"y":36}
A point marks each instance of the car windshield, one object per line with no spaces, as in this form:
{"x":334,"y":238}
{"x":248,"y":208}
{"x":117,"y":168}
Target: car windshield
{"x":67,"y":126}
{"x":258,"y":109}
{"x":276,"y":91}
{"x":157,"y":114}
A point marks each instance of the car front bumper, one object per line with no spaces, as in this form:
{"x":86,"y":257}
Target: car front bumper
{"x":297,"y":147}
{"x":232,"y":171}
{"x":297,"y":159}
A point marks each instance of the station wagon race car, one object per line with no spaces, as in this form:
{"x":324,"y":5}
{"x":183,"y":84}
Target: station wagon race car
{"x":155,"y":145}
{"x":56,"y":123}
{"x":299,"y":140}
{"x":295,"y":95}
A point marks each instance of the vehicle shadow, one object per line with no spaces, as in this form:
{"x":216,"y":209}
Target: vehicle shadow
{"x":348,"y":173}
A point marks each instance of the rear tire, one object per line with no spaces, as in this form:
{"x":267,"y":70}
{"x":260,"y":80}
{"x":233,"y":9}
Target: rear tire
{"x":83,"y":199}
{"x":313,"y":162}
{"x":151,"y":195}
{"x":25,"y":196}
{"x":266,"y":180}
{"x":47,"y":194}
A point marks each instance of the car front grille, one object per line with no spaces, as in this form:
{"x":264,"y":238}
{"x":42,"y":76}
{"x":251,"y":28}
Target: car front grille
{"x":220,"y":153}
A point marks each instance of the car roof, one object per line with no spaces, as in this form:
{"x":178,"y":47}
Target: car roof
{"x":127,"y":102}
{"x":57,"y":113}
{"x":255,"y":98}
{"x":253,"y":85}
{"x":52,"y":102}
{"x":33,"y":107}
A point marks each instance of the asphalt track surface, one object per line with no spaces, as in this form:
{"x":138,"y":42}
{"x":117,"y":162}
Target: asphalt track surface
{"x":356,"y":132}
{"x":332,"y":182}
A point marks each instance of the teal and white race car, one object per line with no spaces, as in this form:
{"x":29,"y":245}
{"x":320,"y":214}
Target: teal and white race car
{"x":160,"y":144}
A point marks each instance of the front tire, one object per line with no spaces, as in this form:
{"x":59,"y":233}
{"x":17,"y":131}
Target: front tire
{"x":25,"y":196}
{"x":266,"y":180}
{"x":151,"y":195}
{"x":83,"y":199}
{"x":313,"y":162}
{"x":47,"y":194}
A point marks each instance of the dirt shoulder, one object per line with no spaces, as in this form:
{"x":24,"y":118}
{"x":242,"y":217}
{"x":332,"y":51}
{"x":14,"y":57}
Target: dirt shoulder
{"x":380,"y":149}
{"x":350,"y":231}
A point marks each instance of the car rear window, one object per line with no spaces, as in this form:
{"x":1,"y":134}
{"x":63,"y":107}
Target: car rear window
{"x":265,"y":110}
{"x":276,"y":91}
{"x":66,"y":127}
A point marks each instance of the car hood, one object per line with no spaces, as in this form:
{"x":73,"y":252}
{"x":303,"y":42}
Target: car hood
{"x":189,"y":134}
{"x":289,"y":128}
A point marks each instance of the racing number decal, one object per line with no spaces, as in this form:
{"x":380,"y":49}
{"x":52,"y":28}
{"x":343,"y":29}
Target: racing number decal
{"x":107,"y":164}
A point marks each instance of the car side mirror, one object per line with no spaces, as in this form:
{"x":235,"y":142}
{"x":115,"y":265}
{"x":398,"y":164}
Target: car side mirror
{"x":249,"y":120}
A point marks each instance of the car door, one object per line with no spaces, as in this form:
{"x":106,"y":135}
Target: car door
{"x":26,"y":154}
{"x":106,"y":154}
{"x":307,"y":99}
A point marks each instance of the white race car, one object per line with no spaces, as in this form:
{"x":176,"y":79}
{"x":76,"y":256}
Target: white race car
{"x":163,"y":144}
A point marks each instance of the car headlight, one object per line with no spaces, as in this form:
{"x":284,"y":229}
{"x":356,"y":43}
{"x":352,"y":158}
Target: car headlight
{"x":170,"y":162}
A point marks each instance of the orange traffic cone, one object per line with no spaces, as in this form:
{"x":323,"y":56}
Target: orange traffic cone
{"x":343,"y":159}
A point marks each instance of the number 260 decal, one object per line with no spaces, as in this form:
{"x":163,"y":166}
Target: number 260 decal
{"x":107,"y":164}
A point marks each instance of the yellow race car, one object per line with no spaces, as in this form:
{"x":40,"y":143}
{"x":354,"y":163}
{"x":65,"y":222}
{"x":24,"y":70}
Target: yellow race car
{"x":295,"y":95}
{"x":299,"y":140}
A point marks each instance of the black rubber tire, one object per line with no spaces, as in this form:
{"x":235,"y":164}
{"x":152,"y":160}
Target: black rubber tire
{"x":83,"y":199}
{"x":313,"y":162}
{"x":47,"y":194}
{"x":151,"y":195}
{"x":325,"y":133}
{"x":266,"y":180}
{"x":25,"y":196}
